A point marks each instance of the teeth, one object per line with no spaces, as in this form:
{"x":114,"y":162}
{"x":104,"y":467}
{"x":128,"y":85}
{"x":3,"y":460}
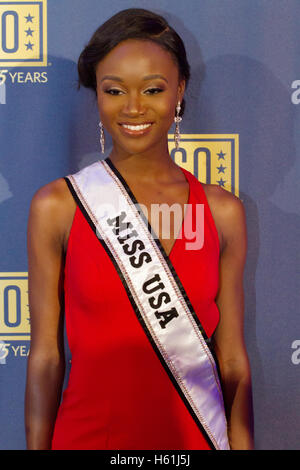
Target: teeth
{"x":136,"y":128}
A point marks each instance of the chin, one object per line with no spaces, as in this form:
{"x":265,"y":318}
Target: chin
{"x":139,"y":146}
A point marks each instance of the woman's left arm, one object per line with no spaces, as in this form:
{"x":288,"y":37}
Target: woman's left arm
{"x":228,"y":339}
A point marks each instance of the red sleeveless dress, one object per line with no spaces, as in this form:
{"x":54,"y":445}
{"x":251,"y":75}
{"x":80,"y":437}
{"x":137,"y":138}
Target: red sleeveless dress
{"x":119,"y":396}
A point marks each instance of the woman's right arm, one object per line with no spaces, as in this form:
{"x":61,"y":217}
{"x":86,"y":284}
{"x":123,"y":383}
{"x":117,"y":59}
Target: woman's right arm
{"x":46,"y":366}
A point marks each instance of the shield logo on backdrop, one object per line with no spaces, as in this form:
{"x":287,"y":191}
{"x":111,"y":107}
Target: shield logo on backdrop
{"x":14,"y":311}
{"x":23,"y":33}
{"x":212,"y":158}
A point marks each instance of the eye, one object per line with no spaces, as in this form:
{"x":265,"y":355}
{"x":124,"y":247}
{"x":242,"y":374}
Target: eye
{"x":153,"y":91}
{"x":113,"y":91}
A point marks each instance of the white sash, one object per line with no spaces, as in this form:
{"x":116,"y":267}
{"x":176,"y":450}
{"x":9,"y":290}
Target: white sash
{"x":155,"y":292}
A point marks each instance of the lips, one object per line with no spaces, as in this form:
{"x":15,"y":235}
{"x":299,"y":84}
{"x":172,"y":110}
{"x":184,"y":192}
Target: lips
{"x":135,"y":129}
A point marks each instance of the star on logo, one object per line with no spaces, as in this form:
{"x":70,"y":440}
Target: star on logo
{"x":29,"y":18}
{"x":221,"y":155}
{"x":221,"y":182}
{"x":221,"y":168}
{"x":29,"y":46}
{"x":29,"y":32}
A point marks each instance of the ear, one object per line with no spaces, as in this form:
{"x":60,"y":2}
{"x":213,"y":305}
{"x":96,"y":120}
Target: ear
{"x":180,"y":91}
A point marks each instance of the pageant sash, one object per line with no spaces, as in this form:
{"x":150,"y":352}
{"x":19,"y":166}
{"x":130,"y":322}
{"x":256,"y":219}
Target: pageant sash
{"x":155,"y":292}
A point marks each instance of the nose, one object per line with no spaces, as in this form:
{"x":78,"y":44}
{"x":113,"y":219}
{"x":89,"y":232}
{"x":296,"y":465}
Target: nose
{"x":134,"y":105}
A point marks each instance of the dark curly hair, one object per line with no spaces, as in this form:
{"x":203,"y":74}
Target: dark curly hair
{"x":133,"y":23}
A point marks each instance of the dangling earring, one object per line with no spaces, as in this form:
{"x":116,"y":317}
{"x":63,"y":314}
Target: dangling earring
{"x":102,"y":141}
{"x":177,"y":120}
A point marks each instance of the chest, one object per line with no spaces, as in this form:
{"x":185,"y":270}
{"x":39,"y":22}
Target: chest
{"x":164,"y":207}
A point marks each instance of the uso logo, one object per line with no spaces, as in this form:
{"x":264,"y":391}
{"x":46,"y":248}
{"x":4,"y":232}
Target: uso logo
{"x":212,"y":158}
{"x":23,"y":33}
{"x":14,"y":310}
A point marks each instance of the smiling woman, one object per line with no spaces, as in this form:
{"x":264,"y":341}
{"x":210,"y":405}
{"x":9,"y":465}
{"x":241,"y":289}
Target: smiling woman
{"x":154,"y":322}
{"x":133,"y":101}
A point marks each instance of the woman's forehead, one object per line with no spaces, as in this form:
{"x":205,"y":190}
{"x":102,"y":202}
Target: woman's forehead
{"x":137,"y":56}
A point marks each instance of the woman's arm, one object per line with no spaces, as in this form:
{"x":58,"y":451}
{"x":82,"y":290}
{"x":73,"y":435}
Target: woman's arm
{"x":45,"y":367}
{"x":228,"y":340}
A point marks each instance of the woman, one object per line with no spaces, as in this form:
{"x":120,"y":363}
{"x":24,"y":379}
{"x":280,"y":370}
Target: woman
{"x":131,"y":385}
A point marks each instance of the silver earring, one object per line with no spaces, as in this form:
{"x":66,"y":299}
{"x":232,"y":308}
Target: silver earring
{"x":102,"y":140}
{"x":177,"y":120}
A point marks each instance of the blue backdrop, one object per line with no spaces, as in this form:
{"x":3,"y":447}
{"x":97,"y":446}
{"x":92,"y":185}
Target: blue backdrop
{"x":245,"y":58}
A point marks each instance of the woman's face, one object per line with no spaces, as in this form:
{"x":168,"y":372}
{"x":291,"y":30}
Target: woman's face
{"x":138,"y":89}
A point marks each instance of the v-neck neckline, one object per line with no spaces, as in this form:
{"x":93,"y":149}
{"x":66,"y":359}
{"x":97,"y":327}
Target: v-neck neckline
{"x":136,"y":203}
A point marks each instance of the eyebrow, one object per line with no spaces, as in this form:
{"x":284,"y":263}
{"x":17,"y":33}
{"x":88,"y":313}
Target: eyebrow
{"x":147,"y":77}
{"x":156,"y":75}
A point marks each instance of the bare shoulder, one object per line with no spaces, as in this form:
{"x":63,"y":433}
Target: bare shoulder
{"x":51,"y":193}
{"x":53,"y":207}
{"x":228,"y":212}
{"x":222,"y":200}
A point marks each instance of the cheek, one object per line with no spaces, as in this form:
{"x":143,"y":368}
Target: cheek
{"x":105,"y":103}
{"x":108,"y":109}
{"x":165,"y":105}
{"x":167,"y":113}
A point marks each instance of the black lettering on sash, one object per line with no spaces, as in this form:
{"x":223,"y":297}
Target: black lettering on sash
{"x":122,"y":240}
{"x":120,"y":226}
{"x":159,"y":300}
{"x":146,"y":284}
{"x":139,"y":263}
{"x":118,"y":223}
{"x":151,"y":285}
{"x":137,"y":244}
{"x":168,"y":316}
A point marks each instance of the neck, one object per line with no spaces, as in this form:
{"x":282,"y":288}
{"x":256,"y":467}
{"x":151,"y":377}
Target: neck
{"x":153,"y":165}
